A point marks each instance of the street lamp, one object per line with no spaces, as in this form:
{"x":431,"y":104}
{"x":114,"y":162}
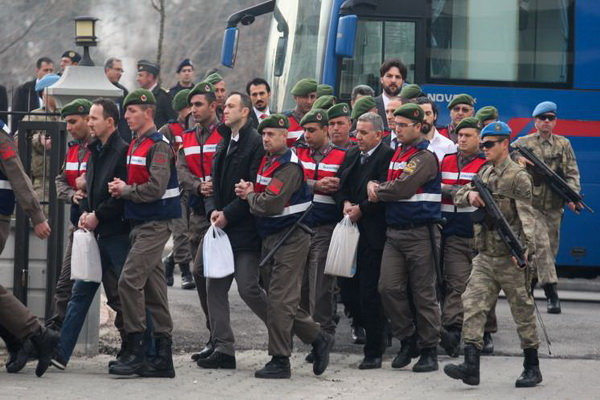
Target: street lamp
{"x":85,"y":35}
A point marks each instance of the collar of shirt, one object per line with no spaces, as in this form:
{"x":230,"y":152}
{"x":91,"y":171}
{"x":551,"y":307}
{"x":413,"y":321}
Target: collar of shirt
{"x":153,"y":86}
{"x":323,"y":151}
{"x":464,"y":159}
{"x":502,"y":166}
{"x":386,"y":99}
{"x":258,"y":113}
{"x":235,"y":137}
{"x":370,"y":152}
{"x":542,"y":139}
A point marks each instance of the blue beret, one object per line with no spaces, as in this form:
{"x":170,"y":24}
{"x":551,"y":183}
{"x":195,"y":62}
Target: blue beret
{"x":46,"y":81}
{"x":544,"y":107}
{"x":185,"y":63}
{"x":4,"y":127}
{"x":498,"y":128}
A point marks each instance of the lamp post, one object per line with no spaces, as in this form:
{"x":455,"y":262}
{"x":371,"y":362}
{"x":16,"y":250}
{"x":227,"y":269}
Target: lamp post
{"x":85,"y":36}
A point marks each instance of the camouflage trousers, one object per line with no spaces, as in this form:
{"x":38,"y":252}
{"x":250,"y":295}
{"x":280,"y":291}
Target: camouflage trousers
{"x":547,"y":231}
{"x":489,"y":275}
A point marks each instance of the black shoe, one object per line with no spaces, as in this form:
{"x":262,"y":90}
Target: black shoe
{"x":450,"y":341}
{"x":169,"y":263}
{"x":359,"y":336}
{"x":552,"y":298}
{"x":44,"y":342}
{"x":187,"y":282}
{"x":370,"y":363}
{"x":321,"y":348}
{"x":531,"y":374}
{"x":160,"y":366}
{"x":428,"y":361}
{"x":123,"y":351}
{"x":217,"y":360}
{"x":468,"y":371}
{"x":408,"y":351}
{"x":134,"y":361}
{"x":488,"y":343}
{"x":205,"y":352}
{"x":18,"y":357}
{"x":310,"y":358}
{"x":277,"y":368}
{"x":59,"y":361}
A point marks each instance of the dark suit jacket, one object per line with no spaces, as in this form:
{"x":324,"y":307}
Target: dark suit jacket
{"x":253,"y":119}
{"x":353,"y":187}
{"x":164,"y":111}
{"x":25,"y":98}
{"x":381,"y":110}
{"x":228,"y":169}
{"x":3,"y":104}
{"x":122,"y":126}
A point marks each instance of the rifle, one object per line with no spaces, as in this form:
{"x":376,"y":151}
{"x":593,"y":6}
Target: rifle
{"x":437,"y":262}
{"x":500,"y":223}
{"x":554,"y":180}
{"x":298,"y":224}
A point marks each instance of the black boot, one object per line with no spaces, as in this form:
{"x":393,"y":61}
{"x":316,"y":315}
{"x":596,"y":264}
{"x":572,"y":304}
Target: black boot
{"x":552,"y":298}
{"x":359,"y":336}
{"x":205,"y":352}
{"x":123,"y":351}
{"x":18,"y":356}
{"x":187,"y":280}
{"x":135,"y":360}
{"x":428,"y":361}
{"x":310,"y":358}
{"x":160,"y":366}
{"x":169,"y":263}
{"x":44,"y":342}
{"x":277,"y":368}
{"x":531,"y":374}
{"x":534,"y":282}
{"x":468,"y":371}
{"x":321,"y":349}
{"x":408,"y":351}
{"x":217,"y":360}
{"x":450,"y":341}
{"x":488,"y":343}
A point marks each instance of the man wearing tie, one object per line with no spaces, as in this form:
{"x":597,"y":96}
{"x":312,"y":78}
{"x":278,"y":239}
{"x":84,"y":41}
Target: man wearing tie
{"x":260,"y":94}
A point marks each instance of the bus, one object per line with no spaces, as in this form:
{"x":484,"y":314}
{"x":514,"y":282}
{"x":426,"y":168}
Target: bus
{"x":511,"y":54}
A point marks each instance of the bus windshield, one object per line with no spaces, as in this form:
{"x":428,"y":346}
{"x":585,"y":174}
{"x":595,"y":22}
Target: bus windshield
{"x":307,"y":21}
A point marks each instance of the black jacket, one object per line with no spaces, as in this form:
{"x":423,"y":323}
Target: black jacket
{"x":353,"y":187}
{"x":25,"y":98}
{"x":228,"y":169}
{"x":105,"y":163}
{"x":122,"y":126}
{"x":164,"y":110}
{"x":381,"y":110}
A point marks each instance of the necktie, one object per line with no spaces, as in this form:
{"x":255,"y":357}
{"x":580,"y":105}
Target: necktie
{"x":363,"y":158}
{"x":263,"y":116}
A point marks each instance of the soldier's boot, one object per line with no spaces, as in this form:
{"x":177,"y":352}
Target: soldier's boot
{"x":552,"y":298}
{"x":534,"y":282}
{"x":134,"y":360}
{"x":468,"y":371}
{"x":44,"y":342}
{"x":187,"y":280}
{"x":123,"y":351}
{"x":450,"y":341}
{"x":428,"y":361}
{"x":160,"y":366}
{"x":531,"y":374}
{"x":488,"y":343}
{"x":277,"y":368}
{"x":310,"y":357}
{"x":408,"y":351}
{"x":169,"y":263}
{"x":18,"y":355}
{"x":321,"y":349}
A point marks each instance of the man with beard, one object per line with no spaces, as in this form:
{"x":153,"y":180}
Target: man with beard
{"x":260,"y":94}
{"x":438,"y":144}
{"x":392,"y":76}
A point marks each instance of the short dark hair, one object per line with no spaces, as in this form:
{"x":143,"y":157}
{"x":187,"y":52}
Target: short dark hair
{"x":391,"y":63}
{"x":244,"y":100}
{"x":38,"y":63}
{"x":109,"y":108}
{"x":210,"y":97}
{"x":256,"y":82}
{"x":362,"y":90}
{"x":108,"y":64}
{"x":426,"y":100}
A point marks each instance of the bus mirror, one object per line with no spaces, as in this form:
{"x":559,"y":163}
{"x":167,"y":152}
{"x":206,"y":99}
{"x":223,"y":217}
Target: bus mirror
{"x":229,"y":49}
{"x":280,"y":56}
{"x":346,"y":35}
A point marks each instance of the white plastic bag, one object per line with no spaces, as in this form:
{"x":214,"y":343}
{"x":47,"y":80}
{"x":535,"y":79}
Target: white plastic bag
{"x":217,"y":254}
{"x":341,"y":257}
{"x":85,"y":257}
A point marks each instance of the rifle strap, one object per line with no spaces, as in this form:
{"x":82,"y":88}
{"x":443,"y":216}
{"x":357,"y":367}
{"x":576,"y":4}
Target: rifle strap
{"x":537,"y":311}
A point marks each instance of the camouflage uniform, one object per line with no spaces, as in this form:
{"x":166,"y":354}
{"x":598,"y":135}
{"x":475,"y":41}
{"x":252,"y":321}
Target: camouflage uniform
{"x":557,"y":153}
{"x":493,"y":268}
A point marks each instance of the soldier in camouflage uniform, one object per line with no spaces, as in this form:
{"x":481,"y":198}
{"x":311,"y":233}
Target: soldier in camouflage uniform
{"x":557,"y":153}
{"x":494,"y":268}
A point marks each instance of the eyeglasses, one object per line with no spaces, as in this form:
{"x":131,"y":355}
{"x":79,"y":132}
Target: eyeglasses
{"x":489,"y":144}
{"x":463,"y":109}
{"x":403,"y":125}
{"x":546,"y":117}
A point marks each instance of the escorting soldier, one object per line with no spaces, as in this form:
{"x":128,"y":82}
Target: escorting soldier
{"x":461,"y":106}
{"x":487,"y":115}
{"x":412,"y":196}
{"x":494,"y":268}
{"x":304,"y":93}
{"x":277,"y":200}
{"x":185,"y":78}
{"x":147,"y":78}
{"x":151,"y":196}
{"x":556,"y":152}
{"x":218,"y":83}
{"x":340,"y":125}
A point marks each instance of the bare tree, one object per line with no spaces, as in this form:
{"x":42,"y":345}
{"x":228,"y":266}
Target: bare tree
{"x":159,"y":6}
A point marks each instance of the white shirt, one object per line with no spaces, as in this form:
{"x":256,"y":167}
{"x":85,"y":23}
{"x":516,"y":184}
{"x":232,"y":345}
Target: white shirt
{"x":441,"y":145}
{"x":258,"y":113}
{"x":370,"y":152}
{"x":386,"y":100}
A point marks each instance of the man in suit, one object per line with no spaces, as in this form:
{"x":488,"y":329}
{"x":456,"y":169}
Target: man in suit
{"x":113,"y":69}
{"x":260,"y":94}
{"x":237,"y":158}
{"x":25,"y":97}
{"x":392,"y":75}
{"x":369,"y":161}
{"x":147,"y":78}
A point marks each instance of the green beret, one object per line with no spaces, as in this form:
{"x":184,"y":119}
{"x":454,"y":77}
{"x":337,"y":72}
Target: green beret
{"x":339,"y":110}
{"x":411,"y":111}
{"x":180,"y":100}
{"x":362,"y":106}
{"x":324,"y":102}
{"x":279,"y":121}
{"x":304,"y":87}
{"x":461,"y":99}
{"x":470,"y":122}
{"x":315,"y":115}
{"x":203,"y":87}
{"x":487,"y":113}
{"x":213,"y":78}
{"x":139,"y":96}
{"x":324,"y":90}
{"x":148,"y":66}
{"x":76,"y":107}
{"x":411,"y":91}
